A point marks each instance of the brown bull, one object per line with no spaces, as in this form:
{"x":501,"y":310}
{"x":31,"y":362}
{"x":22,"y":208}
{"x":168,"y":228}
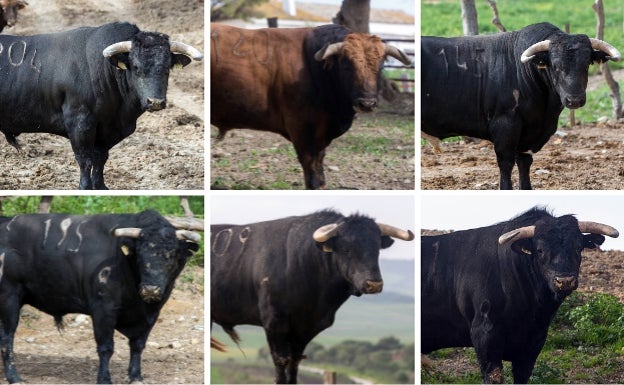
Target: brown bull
{"x":305,"y":84}
{"x":8,"y":12}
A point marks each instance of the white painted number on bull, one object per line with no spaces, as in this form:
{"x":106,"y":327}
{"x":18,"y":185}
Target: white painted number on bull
{"x":16,"y":55}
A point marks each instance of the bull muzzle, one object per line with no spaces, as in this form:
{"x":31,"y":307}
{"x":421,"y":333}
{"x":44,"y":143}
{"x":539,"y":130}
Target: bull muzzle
{"x":150,"y":293}
{"x":155,"y":104}
{"x":565,"y":284}
{"x":574,"y":101}
{"x":373,"y":287}
{"x":365,"y":104}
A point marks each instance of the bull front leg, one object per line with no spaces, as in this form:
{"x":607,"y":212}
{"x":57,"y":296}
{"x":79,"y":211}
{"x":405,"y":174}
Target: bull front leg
{"x":97,"y":175}
{"x":524,"y":161}
{"x":10,"y":320}
{"x":313,"y":175}
{"x":103,"y":330}
{"x":487,"y":342}
{"x":137,"y":344}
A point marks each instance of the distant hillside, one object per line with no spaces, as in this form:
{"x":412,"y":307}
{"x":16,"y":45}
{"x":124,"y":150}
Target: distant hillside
{"x":398,"y":276}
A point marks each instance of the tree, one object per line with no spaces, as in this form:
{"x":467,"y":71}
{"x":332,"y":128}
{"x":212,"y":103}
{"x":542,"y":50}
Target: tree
{"x":469,"y":17}
{"x":233,"y":9}
{"x":354,"y":14}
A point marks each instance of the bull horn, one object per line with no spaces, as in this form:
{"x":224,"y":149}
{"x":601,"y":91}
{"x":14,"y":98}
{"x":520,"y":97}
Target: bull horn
{"x":598,"y":228}
{"x":530,"y":52}
{"x":328,"y":50}
{"x":185,"y":49}
{"x":130,"y":232}
{"x":514,"y":235}
{"x":395,"y":232}
{"x":611,"y":51}
{"x":114,"y":49}
{"x":397,"y":54}
{"x":186,"y":223}
{"x":186,"y":235}
{"x":323,"y":233}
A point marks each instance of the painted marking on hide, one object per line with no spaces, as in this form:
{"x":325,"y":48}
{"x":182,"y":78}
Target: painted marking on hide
{"x":17,"y":53}
{"x":463,"y":65}
{"x":8,"y":226}
{"x":79,"y":235}
{"x":1,"y":266}
{"x":46,"y":231}
{"x":443,"y":54}
{"x":238,"y":43}
{"x":516,"y":95}
{"x":224,"y":236}
{"x":214,"y":36}
{"x":20,"y":53}
{"x":104,"y":274}
{"x":65,"y":223}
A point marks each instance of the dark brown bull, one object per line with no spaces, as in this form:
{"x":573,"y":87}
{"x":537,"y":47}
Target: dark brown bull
{"x":8,"y":12}
{"x":305,"y":84}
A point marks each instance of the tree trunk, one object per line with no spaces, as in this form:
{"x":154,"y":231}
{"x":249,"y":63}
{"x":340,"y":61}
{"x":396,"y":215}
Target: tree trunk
{"x":355,"y":15}
{"x":469,"y":17}
{"x":604,"y":67}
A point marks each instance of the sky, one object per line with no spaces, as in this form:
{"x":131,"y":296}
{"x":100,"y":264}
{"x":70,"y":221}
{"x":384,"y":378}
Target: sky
{"x":466,"y":210}
{"x":406,"y":6}
{"x":396,"y":209}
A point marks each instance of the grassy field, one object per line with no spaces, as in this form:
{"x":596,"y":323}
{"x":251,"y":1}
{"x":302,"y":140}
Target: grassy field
{"x":584,"y":345}
{"x":443,"y":18}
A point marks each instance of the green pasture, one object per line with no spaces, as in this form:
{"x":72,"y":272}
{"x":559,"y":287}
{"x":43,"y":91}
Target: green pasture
{"x":443,"y":18}
{"x":585,"y":345}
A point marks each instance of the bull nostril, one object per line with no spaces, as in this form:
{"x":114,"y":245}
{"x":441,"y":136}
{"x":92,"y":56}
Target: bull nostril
{"x":156,"y":103}
{"x":565,"y":283}
{"x":374,"y":286}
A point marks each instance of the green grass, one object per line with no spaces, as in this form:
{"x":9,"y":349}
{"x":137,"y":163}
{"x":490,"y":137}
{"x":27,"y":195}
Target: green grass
{"x":443,"y":18}
{"x":584,"y":345}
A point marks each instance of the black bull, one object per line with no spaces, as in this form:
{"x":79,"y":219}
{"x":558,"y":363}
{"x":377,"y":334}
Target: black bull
{"x":88,"y":84}
{"x":508,"y":88}
{"x":117,"y":268}
{"x":497,"y":288}
{"x":291,"y":275}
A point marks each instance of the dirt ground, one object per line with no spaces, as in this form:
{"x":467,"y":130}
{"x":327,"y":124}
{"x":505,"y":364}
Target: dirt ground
{"x":174,"y":353}
{"x":585,"y":157}
{"x":167,"y":149}
{"x":377,"y":153}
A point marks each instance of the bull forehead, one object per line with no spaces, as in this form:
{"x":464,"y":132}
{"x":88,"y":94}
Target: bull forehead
{"x":366,"y":52}
{"x":568,"y":47}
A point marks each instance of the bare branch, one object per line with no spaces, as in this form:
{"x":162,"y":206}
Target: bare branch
{"x":496,"y":19}
{"x":604,"y":67}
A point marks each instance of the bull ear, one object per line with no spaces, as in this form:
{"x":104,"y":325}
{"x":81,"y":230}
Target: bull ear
{"x":327,"y":246}
{"x":186,"y":249}
{"x":598,"y":57}
{"x":541,"y":60}
{"x":523,"y":246}
{"x":386,"y":241}
{"x":120,"y":61}
{"x":592,"y":241}
{"x":179,"y":61}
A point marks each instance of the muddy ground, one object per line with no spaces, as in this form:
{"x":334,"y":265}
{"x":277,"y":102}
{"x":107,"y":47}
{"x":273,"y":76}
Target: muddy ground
{"x":584,"y":157}
{"x":167,"y":149}
{"x":174,"y":353}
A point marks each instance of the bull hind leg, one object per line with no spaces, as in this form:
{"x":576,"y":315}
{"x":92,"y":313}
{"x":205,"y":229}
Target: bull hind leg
{"x":10,"y":320}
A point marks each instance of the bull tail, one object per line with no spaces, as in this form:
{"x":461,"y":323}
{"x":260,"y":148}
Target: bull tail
{"x":235,"y":337}
{"x":58,"y":322}
{"x":217,"y":345}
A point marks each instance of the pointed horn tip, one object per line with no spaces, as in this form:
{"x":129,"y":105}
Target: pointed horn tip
{"x":410,"y":235}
